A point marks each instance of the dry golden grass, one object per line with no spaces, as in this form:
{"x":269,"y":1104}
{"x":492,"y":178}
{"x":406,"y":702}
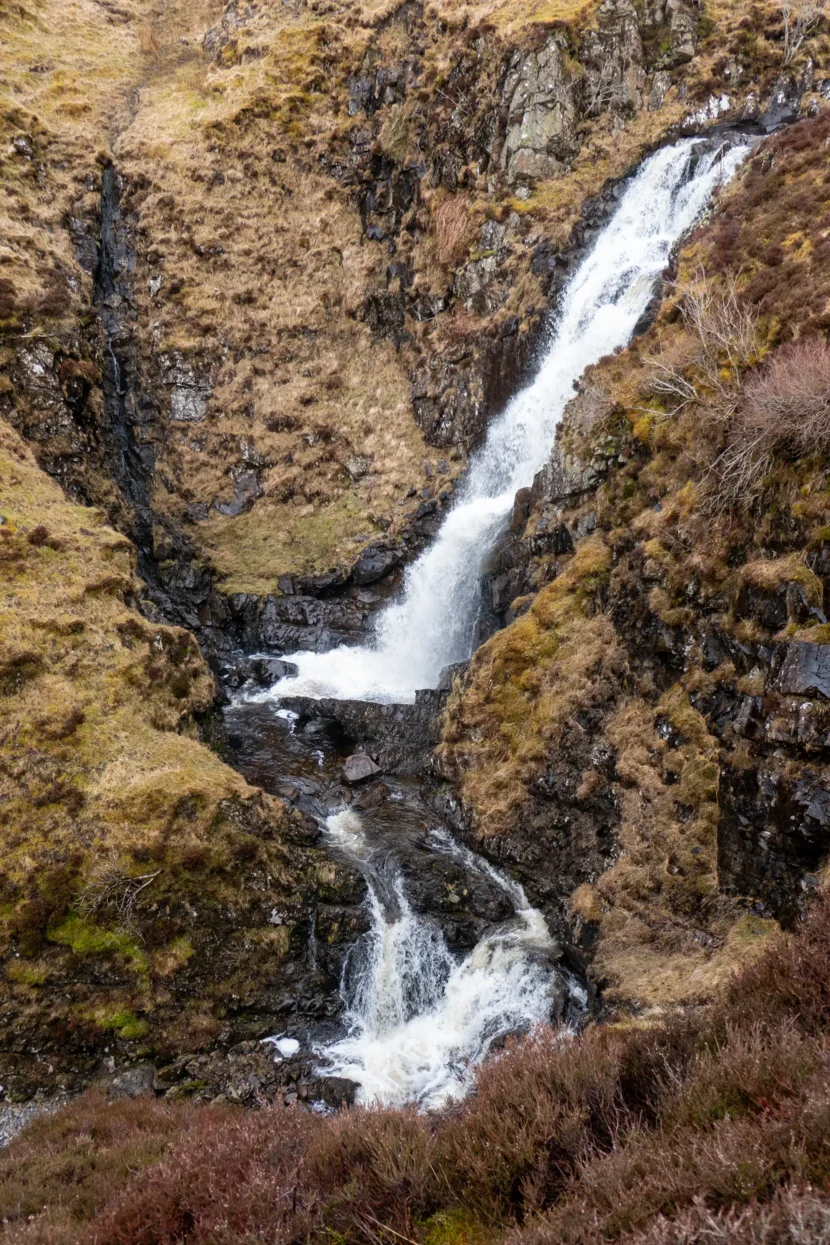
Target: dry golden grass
{"x":525,"y":684}
{"x":102,"y":778}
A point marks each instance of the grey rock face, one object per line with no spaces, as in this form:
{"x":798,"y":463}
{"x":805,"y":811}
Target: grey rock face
{"x":189,"y":392}
{"x":541,"y":124}
{"x":133,"y":1083}
{"x":612,"y":56}
{"x":805,"y":670}
{"x":683,"y":31}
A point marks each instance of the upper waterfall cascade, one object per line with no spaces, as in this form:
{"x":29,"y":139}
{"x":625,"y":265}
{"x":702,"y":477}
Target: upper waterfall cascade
{"x":433,"y":623}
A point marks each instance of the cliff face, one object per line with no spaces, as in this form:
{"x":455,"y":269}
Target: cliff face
{"x":266,"y":271}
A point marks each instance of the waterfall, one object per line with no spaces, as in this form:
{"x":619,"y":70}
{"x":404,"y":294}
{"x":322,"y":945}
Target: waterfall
{"x":418,"y":1020}
{"x":433,"y":623}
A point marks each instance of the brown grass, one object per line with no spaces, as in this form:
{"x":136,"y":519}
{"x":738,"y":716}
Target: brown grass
{"x":524,"y":685}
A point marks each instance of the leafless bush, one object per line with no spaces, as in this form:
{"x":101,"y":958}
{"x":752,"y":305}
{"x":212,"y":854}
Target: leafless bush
{"x":112,"y":888}
{"x":724,"y":339}
{"x":785,"y":410}
{"x":606,"y":88}
{"x":591,"y":408}
{"x":794,"y":1217}
{"x":800,"y":20}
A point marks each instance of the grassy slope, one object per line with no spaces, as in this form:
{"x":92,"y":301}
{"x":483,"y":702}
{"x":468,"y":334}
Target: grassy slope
{"x":103,"y":788}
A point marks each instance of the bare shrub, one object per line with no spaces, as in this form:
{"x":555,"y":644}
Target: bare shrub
{"x":791,"y":979}
{"x":801,"y":17}
{"x":237,"y":1180}
{"x":112,"y":888}
{"x":606,"y":87}
{"x":591,"y":409}
{"x":785,"y":409}
{"x":374,"y":1168}
{"x":538,"y":1109}
{"x":73,"y":1162}
{"x":724,"y":340}
{"x":793,"y":1217}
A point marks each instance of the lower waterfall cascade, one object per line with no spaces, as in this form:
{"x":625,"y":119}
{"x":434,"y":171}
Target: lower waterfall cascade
{"x":418,"y":1018}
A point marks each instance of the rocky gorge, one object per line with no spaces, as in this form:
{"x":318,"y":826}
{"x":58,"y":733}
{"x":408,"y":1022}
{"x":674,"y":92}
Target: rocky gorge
{"x":269,"y":275}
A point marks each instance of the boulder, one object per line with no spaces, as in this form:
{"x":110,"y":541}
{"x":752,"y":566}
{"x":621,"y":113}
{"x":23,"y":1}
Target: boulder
{"x":359,"y":767}
{"x":805,"y":670}
{"x":375,"y":562}
{"x":269,"y":670}
{"x":541,"y":121}
{"x":135,"y":1082}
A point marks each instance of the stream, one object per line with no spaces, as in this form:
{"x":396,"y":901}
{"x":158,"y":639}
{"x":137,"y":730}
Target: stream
{"x":420,"y":1012}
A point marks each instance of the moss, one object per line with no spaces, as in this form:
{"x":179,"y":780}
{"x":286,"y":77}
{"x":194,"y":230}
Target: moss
{"x":458,"y":1226}
{"x":85,"y":938}
{"x":26,"y":973}
{"x":126,"y":1025}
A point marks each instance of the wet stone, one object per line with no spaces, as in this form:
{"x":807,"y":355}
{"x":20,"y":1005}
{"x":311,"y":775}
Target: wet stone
{"x":805,"y":670}
{"x":359,"y":767}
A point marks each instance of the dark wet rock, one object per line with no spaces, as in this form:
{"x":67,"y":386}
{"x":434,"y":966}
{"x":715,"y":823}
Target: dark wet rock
{"x":334,"y":1091}
{"x":774,"y":831}
{"x":466,"y":904}
{"x":775,"y":605}
{"x":251,"y":1074}
{"x":269,"y":670}
{"x":246,"y":490}
{"x":805,"y":670}
{"x":358,"y":767}
{"x":375,"y":562}
{"x":784,"y":104}
{"x":400,"y":737}
{"x":565,"y":835}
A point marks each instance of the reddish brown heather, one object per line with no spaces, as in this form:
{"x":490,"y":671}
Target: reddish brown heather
{"x":684,"y":1132}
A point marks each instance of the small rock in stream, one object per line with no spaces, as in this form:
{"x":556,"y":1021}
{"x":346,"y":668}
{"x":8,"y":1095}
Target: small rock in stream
{"x":359,"y":767}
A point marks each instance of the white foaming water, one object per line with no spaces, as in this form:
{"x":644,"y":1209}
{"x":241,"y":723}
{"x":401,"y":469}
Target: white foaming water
{"x":433,"y":624}
{"x":418,"y":1020}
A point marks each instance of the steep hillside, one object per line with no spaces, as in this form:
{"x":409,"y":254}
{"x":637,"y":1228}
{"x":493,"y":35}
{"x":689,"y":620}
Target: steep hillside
{"x":648,"y":732}
{"x":328,"y":245}
{"x":152,"y":902}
